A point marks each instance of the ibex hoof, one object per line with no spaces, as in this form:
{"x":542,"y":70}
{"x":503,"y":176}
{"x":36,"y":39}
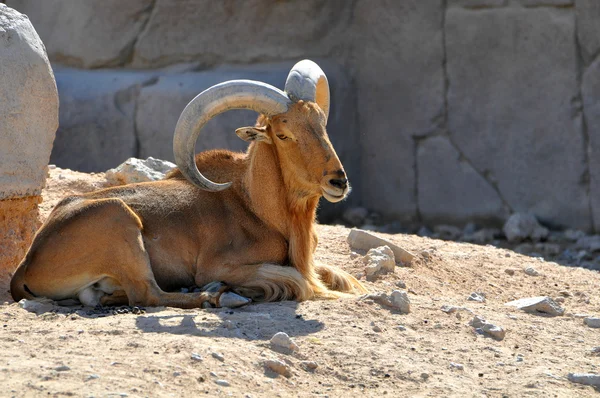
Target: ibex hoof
{"x":222,"y":297}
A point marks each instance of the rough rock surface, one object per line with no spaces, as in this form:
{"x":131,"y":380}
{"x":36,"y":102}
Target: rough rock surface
{"x":379,"y":260}
{"x":97,"y":118}
{"x":138,"y":170}
{"x":111,"y":28}
{"x":363,"y":240}
{"x":508,"y":117}
{"x":521,"y":226}
{"x":28,"y":107}
{"x":450,"y":190}
{"x":535,"y":305}
{"x":400,"y":92}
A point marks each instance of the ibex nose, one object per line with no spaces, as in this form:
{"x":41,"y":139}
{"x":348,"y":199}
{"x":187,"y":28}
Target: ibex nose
{"x":339,"y":183}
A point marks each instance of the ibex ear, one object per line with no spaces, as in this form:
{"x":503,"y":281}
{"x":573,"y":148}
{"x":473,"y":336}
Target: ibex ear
{"x":254,"y":134}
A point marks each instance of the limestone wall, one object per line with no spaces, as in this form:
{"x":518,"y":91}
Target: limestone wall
{"x":449,"y":110}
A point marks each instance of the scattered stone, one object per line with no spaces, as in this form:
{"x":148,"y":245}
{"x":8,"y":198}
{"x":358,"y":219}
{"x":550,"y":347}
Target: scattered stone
{"x":218,"y":356}
{"x":531,"y":271}
{"x":565,"y":293}
{"x":535,"y":305}
{"x":37,"y":305}
{"x":457,"y":366}
{"x":573,"y":234}
{"x":588,"y":379}
{"x":447,"y":232}
{"x":362,"y":240}
{"x":398,"y":300}
{"x":354,"y":255}
{"x":510,"y":271}
{"x":62,"y":368}
{"x":138,"y":170}
{"x":196,"y":357}
{"x":401,"y":284}
{"x":355,"y":216}
{"x":596,"y":350}
{"x":495,"y":331}
{"x":592,"y":322}
{"x":222,"y":383}
{"x":588,"y":243}
{"x":92,"y":377}
{"x":402,"y":328}
{"x":424,"y":375}
{"x":521,"y":226}
{"x":477,"y":296}
{"x":278,"y":367}
{"x":282,"y":340}
{"x":379,"y":261}
{"x":309,"y":366}
{"x":477,"y":322}
{"x":451,"y":309}
{"x":376,"y":327}
{"x":559,"y":299}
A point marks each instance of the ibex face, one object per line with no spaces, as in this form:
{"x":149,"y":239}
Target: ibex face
{"x":308,"y":160}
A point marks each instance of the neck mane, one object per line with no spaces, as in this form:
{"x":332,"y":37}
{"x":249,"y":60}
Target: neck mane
{"x":276,"y":202}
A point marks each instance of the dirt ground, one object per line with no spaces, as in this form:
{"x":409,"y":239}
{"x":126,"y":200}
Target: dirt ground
{"x":359,"y":348}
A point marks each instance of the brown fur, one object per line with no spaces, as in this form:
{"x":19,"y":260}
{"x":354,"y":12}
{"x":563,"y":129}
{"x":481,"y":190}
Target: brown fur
{"x":133,"y":244}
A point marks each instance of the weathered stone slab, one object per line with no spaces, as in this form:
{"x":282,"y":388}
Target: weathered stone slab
{"x":88,"y":34}
{"x":450,"y":190}
{"x":590,"y":90}
{"x":588,"y":28}
{"x":516,"y":119}
{"x":398,"y":61}
{"x":28,"y":107}
{"x":97,"y":118}
{"x":217,"y":32}
{"x":363,"y":240}
{"x":536,"y":305}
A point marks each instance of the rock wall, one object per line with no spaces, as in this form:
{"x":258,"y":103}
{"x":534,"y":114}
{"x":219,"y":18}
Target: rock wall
{"x":452,"y":110}
{"x":28,"y":122}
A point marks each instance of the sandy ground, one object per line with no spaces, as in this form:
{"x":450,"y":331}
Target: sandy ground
{"x":359,"y":347}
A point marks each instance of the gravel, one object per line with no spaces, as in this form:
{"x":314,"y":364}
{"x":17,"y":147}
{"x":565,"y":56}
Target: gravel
{"x":282,"y":340}
{"x":536,"y":305}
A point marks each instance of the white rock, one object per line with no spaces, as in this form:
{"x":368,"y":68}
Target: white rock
{"x":138,"y":170}
{"x":278,"y":367}
{"x":309,"y":365}
{"x":196,"y":357}
{"x":400,"y":300}
{"x":379,"y":261}
{"x":457,"y":366}
{"x":476,"y":296}
{"x":589,"y":379}
{"x":521,"y":226}
{"x":534,"y":305}
{"x":477,"y":322}
{"x":218,"y":357}
{"x":282,"y":340}
{"x":362,"y":240}
{"x":531,"y":271}
{"x":222,"y":383}
{"x":495,"y":331}
{"x":38,"y":305}
{"x":592,"y":322}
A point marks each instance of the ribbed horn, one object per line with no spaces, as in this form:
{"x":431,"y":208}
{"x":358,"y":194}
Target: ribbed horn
{"x":307,"y":81}
{"x":234,"y":94}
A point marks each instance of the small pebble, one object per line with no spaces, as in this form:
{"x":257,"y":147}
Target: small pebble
{"x":92,"y":377}
{"x":222,"y":383}
{"x":401,"y":284}
{"x":63,"y":368}
{"x":309,"y":365}
{"x":592,"y":322}
{"x":531,"y":271}
{"x":376,"y":327}
{"x":510,"y":271}
{"x":424,"y":376}
{"x":282,"y":340}
{"x":457,"y":366}
{"x":218,"y":356}
{"x":478,"y":297}
{"x":402,"y":328}
{"x":588,"y":379}
{"x":278,"y":367}
{"x":196,"y":357}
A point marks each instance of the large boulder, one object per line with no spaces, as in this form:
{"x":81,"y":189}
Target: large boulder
{"x":517,"y":119}
{"x":88,"y":34}
{"x":400,"y":93}
{"x":28,"y":122}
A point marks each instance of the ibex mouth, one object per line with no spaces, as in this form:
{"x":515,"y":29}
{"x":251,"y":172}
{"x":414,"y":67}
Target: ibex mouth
{"x":334,"y":195}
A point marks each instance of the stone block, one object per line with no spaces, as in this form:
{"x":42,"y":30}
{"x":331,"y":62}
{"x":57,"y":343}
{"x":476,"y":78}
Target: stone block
{"x":512,"y":108}
{"x":247,"y":31}
{"x":84,"y":33}
{"x":28,"y":107}
{"x":590,"y":92}
{"x":398,"y":57}
{"x":588,"y":28}
{"x":450,"y":190}
{"x":97,"y":118}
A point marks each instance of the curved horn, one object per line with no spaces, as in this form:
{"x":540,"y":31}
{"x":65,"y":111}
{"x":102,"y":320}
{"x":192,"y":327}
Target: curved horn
{"x":234,"y":94}
{"x":307,"y":81}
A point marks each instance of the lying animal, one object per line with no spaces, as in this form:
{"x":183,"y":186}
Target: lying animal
{"x":245,"y":219}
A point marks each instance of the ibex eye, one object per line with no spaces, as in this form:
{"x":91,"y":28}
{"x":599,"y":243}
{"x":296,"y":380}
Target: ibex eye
{"x":283,"y":137}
